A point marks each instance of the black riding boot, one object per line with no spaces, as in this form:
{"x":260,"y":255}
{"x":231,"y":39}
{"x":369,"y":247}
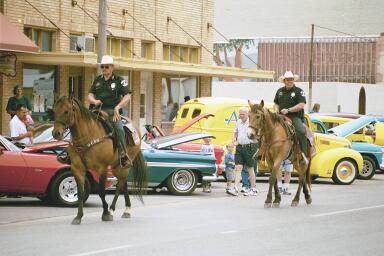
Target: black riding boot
{"x":63,"y":157}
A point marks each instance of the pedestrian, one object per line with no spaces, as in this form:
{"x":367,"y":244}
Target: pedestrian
{"x":207,"y":148}
{"x":111,"y":93}
{"x":316,"y":108}
{"x":286,"y":168}
{"x":244,"y":151}
{"x":19,"y":99}
{"x":229,"y":161}
{"x":21,"y":131}
{"x":290,"y":101}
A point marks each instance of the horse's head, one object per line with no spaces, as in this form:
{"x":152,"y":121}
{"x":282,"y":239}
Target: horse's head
{"x":256,"y":119}
{"x":64,"y":116}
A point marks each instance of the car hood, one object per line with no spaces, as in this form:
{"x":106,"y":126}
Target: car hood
{"x":192,"y":122}
{"x":46,"y":145}
{"x":176,"y":139}
{"x":353,"y":126}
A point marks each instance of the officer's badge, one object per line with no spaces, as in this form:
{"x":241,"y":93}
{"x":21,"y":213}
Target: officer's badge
{"x":124,"y":83}
{"x":113,"y":85}
{"x":280,"y":94}
{"x":293,"y":94}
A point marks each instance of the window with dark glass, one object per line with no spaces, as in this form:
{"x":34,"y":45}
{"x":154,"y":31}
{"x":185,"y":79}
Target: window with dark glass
{"x":45,"y":39}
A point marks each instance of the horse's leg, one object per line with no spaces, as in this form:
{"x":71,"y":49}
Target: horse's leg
{"x":296,"y":199}
{"x":107,"y":216}
{"x":126,"y":213}
{"x":307,"y":196}
{"x":276,"y":202}
{"x":272,"y":181}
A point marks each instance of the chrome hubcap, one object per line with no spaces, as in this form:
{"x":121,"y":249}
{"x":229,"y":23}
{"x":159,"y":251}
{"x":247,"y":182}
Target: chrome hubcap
{"x":183,"y":180}
{"x":68,"y":189}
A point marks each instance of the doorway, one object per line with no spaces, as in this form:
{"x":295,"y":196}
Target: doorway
{"x":362,"y":99}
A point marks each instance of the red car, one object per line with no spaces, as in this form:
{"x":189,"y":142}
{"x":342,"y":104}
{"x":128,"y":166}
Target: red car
{"x":34,"y":171}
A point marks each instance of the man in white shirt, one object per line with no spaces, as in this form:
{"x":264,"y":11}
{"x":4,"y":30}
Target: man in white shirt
{"x":244,"y":151}
{"x":20,"y":131}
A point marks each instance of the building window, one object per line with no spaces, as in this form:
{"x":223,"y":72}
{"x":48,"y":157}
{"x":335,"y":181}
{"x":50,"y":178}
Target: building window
{"x":2,"y":6}
{"x":174,"y":89}
{"x":39,"y":86}
{"x":118,"y":47}
{"x":147,"y":50}
{"x":45,"y":39}
{"x":180,"y":53}
{"x":86,"y":43}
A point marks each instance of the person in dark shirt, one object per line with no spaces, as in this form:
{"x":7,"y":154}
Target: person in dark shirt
{"x":17,"y":99}
{"x":290,"y":101}
{"x":111,"y":92}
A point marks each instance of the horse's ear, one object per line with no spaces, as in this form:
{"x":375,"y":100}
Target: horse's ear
{"x":262,"y":103}
{"x":250,"y":104}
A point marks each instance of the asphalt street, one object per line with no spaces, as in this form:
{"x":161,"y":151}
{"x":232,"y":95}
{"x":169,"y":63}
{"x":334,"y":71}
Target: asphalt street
{"x":342,"y":220}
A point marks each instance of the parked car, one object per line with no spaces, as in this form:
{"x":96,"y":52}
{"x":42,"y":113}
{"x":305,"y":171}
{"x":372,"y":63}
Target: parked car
{"x":373,"y":155}
{"x":34,"y":171}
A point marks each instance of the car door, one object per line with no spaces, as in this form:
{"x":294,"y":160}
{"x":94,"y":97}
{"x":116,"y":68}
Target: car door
{"x":13,"y":168}
{"x":379,"y":138}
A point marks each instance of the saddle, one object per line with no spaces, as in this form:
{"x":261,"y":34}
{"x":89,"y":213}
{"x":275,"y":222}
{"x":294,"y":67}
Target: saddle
{"x":130,"y":131}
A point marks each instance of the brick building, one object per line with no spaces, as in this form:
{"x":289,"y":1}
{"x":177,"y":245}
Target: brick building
{"x":161,"y":62}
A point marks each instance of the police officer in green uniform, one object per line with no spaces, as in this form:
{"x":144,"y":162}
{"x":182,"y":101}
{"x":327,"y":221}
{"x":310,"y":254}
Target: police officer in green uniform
{"x":290,"y":101}
{"x":111,"y":93}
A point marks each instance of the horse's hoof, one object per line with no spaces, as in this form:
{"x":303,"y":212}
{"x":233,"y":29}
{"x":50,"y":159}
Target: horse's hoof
{"x":308,"y":200}
{"x":126,"y":215}
{"x":107,"y":217}
{"x":76,"y":221}
{"x":294,"y":203}
{"x":275,"y":205}
{"x":267,"y":205}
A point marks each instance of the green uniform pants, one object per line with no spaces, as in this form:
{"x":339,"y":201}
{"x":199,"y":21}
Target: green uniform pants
{"x":119,"y":130}
{"x":300,"y":133}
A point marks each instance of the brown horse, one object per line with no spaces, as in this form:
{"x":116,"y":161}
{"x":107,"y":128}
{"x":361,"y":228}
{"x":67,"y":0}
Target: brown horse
{"x":279,"y":145}
{"x":92,"y":148}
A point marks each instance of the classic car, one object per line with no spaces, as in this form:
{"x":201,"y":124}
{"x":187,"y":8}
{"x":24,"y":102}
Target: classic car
{"x":334,"y":159}
{"x":373,"y":155}
{"x":34,"y":171}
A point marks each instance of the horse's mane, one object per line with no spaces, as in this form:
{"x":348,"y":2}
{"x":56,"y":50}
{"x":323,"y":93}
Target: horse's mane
{"x":276,"y":118}
{"x":84,"y":112}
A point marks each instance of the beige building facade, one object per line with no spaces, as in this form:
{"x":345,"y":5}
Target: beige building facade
{"x":161,"y":62}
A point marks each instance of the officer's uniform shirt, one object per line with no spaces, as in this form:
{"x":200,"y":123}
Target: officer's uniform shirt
{"x":110,"y":91}
{"x":289,"y":98}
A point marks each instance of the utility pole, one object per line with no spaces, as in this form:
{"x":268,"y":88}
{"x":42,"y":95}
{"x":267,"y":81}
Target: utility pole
{"x":102,"y":29}
{"x":311,"y":70}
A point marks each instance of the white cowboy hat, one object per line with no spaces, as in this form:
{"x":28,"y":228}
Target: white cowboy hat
{"x":106,"y":60}
{"x":288,"y":74}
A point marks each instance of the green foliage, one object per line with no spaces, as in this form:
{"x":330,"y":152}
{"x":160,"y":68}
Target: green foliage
{"x":234,"y":44}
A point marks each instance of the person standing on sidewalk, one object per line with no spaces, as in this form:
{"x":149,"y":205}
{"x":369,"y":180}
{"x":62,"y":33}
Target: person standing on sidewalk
{"x":244,"y":151}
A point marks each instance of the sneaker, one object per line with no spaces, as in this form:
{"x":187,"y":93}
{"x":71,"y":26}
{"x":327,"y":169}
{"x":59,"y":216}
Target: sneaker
{"x":286,"y":192}
{"x":251,"y":192}
{"x":232,"y":192}
{"x":207,"y":190}
{"x":244,"y":190}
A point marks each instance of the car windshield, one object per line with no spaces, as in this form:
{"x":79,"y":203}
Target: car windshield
{"x":47,"y":136}
{"x":8,"y":145}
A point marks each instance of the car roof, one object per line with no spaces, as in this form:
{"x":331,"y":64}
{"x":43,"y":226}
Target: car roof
{"x":353,"y":126}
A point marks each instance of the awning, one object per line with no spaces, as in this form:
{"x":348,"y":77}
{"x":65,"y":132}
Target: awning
{"x":90,"y":60}
{"x":12,"y":40}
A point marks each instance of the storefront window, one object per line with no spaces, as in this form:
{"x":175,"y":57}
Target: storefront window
{"x":174,"y":89}
{"x":39,"y":87}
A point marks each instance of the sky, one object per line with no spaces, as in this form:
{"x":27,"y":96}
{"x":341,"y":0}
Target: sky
{"x":293,"y":18}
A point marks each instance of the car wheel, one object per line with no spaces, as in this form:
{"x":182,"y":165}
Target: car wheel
{"x":369,"y":168}
{"x":345,"y":172}
{"x":182,"y":182}
{"x":63,"y":190}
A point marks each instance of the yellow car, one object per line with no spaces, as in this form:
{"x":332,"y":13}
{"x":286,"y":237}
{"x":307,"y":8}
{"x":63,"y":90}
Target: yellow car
{"x":334,"y":158}
{"x":369,"y":132}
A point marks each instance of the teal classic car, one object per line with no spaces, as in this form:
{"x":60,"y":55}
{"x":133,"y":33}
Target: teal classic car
{"x":373,"y":155}
{"x":179,"y":171}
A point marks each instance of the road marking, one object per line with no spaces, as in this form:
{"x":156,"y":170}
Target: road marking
{"x":347,"y":211}
{"x":229,"y":232}
{"x":102,"y":251}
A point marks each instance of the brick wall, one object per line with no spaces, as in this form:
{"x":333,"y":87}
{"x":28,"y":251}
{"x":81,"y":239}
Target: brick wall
{"x":156,"y":101}
{"x":205,"y":86}
{"x":135,"y":97}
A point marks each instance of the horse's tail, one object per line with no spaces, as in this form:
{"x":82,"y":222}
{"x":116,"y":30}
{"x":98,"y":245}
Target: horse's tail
{"x":308,"y":171}
{"x":140,"y":177}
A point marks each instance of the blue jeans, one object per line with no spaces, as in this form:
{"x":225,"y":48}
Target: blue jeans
{"x":245,"y":176}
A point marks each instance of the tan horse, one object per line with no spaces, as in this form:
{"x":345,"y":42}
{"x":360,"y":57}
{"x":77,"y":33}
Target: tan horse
{"x":92,"y":148}
{"x":279,"y":145}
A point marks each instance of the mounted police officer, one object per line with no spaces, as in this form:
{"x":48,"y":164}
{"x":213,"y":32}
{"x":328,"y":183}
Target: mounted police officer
{"x":111,"y":93}
{"x":290,"y":101}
